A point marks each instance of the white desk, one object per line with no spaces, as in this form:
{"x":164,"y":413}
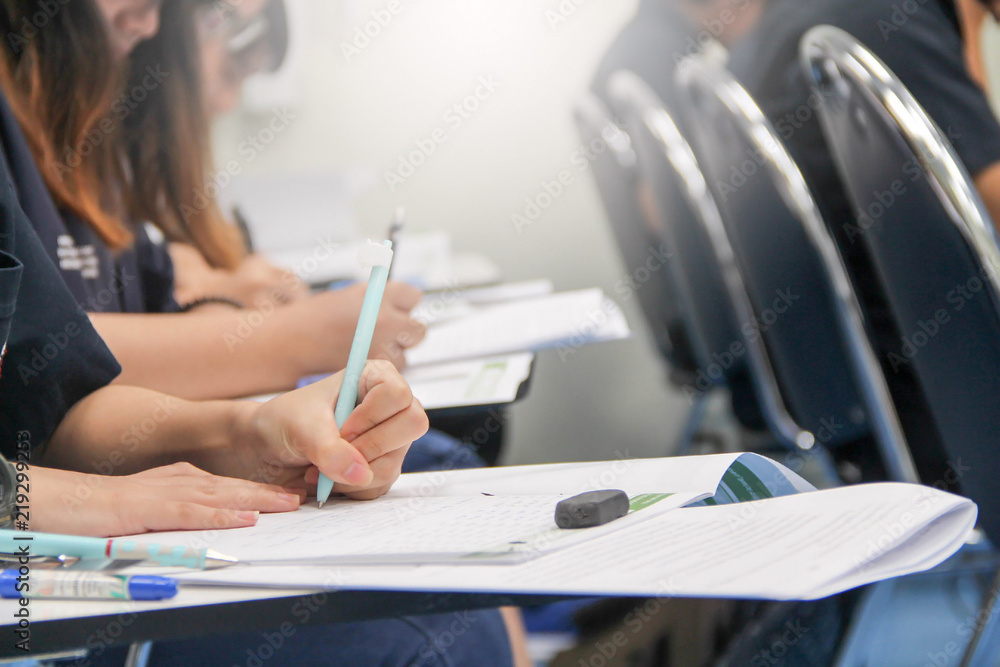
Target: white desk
{"x":58,"y":625}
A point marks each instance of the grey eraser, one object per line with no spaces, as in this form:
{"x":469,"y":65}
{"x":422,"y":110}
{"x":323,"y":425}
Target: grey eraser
{"x":594,"y":508}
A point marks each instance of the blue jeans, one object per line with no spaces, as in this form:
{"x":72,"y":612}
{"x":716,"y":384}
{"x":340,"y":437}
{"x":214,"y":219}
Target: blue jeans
{"x":444,"y":640}
{"x":439,"y":451}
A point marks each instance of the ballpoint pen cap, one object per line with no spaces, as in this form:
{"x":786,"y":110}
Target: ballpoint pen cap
{"x":151,"y":587}
{"x":375,"y":254}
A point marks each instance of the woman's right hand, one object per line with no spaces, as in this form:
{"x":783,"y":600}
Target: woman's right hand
{"x":174,"y":497}
{"x":319,"y":330}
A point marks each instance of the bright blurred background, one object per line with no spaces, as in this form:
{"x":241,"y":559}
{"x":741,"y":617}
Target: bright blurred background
{"x":358,"y":113}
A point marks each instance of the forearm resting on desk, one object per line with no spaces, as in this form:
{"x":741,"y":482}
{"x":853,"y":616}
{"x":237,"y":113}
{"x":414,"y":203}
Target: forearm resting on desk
{"x":235,"y":353}
{"x":122,"y":430}
{"x":200,"y":355}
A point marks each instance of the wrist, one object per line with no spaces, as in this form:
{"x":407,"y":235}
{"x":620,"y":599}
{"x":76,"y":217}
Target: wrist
{"x":240,"y":456}
{"x":215,"y":442}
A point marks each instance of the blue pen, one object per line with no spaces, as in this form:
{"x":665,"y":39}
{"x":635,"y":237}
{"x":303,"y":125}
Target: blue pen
{"x":85,"y":585}
{"x":379,"y":257}
{"x":27,"y":543}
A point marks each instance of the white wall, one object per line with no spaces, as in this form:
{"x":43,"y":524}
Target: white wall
{"x":371,"y":108}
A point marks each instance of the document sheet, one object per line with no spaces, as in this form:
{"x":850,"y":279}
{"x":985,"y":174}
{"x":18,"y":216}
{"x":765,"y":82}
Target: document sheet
{"x":569,"y":319}
{"x":489,"y":381}
{"x":460,"y":517}
{"x":802,"y":546}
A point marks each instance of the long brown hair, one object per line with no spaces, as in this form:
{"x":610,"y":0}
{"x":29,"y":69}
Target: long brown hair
{"x":58,"y":72}
{"x":168,"y":143}
{"x":115,"y":142}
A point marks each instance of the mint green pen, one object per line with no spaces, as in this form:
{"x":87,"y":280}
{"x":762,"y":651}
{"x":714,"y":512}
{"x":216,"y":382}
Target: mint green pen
{"x":28,"y":544}
{"x":379,"y":258}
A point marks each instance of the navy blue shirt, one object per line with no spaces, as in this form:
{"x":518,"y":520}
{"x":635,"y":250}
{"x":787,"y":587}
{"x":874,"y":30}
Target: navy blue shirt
{"x":924,"y":48}
{"x":54,"y":357}
{"x":10,"y":280}
{"x":137,"y":280}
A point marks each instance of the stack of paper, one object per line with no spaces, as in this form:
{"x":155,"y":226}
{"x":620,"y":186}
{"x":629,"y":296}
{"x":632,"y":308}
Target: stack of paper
{"x":489,"y":381}
{"x":437,"y":307}
{"x":423,"y":258}
{"x":567,"y":320}
{"x":497,"y":525}
{"x":480,"y":342}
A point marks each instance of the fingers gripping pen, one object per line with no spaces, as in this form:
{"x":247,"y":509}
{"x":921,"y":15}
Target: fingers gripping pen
{"x":379,"y":258}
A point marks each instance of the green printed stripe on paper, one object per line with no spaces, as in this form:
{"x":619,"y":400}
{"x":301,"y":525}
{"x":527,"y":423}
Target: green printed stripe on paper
{"x":644,"y":500}
{"x":745,"y":484}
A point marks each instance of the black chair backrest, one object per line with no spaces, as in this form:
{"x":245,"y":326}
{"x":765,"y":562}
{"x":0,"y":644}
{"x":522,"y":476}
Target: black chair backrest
{"x":640,"y":244}
{"x":808,"y":316}
{"x":685,"y":210}
{"x":935,"y":252}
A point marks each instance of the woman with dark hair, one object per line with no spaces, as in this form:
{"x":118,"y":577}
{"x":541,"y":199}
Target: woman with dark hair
{"x":166,"y":183}
{"x":66,"y":90}
{"x":211,"y":48}
{"x":158,"y":156}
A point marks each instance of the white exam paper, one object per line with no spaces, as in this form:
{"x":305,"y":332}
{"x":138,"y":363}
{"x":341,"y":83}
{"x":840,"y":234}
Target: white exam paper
{"x":568,"y":318}
{"x":804,"y":546}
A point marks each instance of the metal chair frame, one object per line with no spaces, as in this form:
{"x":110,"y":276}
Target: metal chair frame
{"x":594,"y":121}
{"x":702,"y":78}
{"x":828,"y":56}
{"x":827,"y":51}
{"x":629,"y":91}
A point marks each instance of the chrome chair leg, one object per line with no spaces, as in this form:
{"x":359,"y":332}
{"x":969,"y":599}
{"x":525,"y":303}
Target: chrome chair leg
{"x":985,"y":629}
{"x":138,"y":654}
{"x":695,"y":417}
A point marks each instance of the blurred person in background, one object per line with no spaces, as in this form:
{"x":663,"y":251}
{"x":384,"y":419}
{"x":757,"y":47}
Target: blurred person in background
{"x":228,"y":43}
{"x":933,"y":47}
{"x":665,"y":32}
{"x":234,"y":42}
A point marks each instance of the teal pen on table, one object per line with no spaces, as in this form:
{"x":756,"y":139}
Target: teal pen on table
{"x":32,"y":544}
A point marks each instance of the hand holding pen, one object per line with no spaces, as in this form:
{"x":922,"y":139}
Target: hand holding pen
{"x":363,"y":457}
{"x":376,"y":414}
